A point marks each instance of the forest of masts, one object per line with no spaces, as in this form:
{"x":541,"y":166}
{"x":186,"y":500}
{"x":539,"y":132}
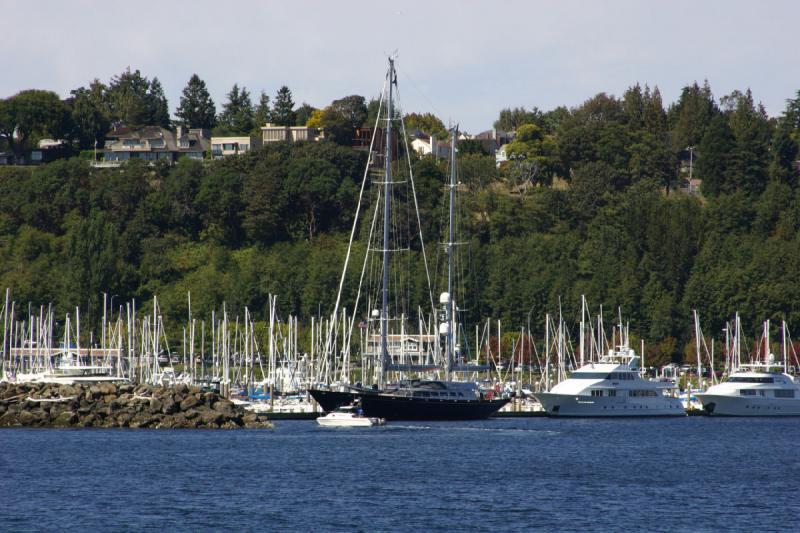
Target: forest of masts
{"x":239,"y":353}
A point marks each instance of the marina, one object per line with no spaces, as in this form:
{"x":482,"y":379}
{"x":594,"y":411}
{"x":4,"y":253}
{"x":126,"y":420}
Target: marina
{"x":438,"y":267}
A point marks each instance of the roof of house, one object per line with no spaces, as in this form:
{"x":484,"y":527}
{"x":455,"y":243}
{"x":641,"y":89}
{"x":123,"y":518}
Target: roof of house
{"x":147,"y":133}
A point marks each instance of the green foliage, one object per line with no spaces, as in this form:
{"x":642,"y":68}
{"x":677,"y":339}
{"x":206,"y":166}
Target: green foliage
{"x":32,"y":114}
{"x":283,"y":108}
{"x":539,"y":152}
{"x":353,"y":108}
{"x":262,"y":113}
{"x":89,"y":120}
{"x":196,"y":109}
{"x":785,"y":152}
{"x":135,"y":101}
{"x":716,"y":149}
{"x":689,"y":117}
{"x":511,"y":119}
{"x":303,"y":114}
{"x":237,"y":113}
{"x":276,"y":220}
{"x":427,"y":123}
{"x":477,"y":168}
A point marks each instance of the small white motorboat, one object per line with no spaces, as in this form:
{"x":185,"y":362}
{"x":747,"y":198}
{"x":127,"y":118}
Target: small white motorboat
{"x":349,"y":416}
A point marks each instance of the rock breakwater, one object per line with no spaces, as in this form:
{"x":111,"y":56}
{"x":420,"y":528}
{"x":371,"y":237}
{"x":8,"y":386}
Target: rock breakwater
{"x":109,"y":405}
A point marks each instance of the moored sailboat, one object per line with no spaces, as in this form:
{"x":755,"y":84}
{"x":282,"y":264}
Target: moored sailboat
{"x":426,"y":396}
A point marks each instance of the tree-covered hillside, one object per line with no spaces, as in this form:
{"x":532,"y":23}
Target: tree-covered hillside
{"x":587,"y":205}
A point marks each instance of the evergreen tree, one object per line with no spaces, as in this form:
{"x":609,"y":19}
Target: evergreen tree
{"x":715,"y":155}
{"x":197,"y":109}
{"x":283,"y":109}
{"x":633,"y":104}
{"x":158,"y":107}
{"x":690,"y":116}
{"x":751,"y":129}
{"x":655,"y":119}
{"x":237,"y":114}
{"x":135,"y":101}
{"x":262,"y":112}
{"x":792,"y":113}
{"x":784,"y":154}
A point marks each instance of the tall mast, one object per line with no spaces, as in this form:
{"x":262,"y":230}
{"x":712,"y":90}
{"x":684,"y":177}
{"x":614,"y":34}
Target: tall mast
{"x":697,"y":347}
{"x":583,"y":329}
{"x":449,"y":311}
{"x":785,"y":350}
{"x":387,"y":190}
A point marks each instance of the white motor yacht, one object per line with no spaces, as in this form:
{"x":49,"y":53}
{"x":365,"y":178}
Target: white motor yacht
{"x":611,"y":387}
{"x":349,"y":416}
{"x":756,"y":389}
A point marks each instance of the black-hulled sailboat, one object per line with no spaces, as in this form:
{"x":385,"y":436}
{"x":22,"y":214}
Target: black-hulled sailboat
{"x":405,"y":354}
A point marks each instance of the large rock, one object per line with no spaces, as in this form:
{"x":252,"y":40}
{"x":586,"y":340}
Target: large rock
{"x":66,"y":419}
{"x":212,"y":418}
{"x":189,"y":402}
{"x":28,"y":418}
{"x":156,"y":405}
{"x":9,"y":419}
{"x":224,"y":406}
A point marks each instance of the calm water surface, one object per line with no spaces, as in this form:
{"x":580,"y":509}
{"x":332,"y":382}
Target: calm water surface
{"x":693,"y":474}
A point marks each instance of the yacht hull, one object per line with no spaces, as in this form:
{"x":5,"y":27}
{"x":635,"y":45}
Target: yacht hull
{"x":570,"y":405}
{"x":409,"y":408}
{"x":724,"y":405}
{"x":331,"y":400}
{"x":349,"y":422}
{"x":392,"y":406}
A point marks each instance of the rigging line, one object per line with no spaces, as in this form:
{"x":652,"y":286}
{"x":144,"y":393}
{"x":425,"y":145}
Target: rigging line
{"x":416,"y":207}
{"x":419,"y":91}
{"x":355,"y":219}
{"x":364,"y":268}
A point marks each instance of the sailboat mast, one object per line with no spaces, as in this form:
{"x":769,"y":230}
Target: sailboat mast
{"x":450,"y":243}
{"x":386,"y":221}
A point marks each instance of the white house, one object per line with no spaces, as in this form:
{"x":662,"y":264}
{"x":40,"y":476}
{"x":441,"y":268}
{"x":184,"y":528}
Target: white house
{"x":225,"y":146}
{"x":428,"y":144}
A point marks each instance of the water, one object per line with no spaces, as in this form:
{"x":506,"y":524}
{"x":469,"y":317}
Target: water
{"x":687,"y":474}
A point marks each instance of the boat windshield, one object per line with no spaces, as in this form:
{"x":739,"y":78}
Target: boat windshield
{"x":751,"y":379}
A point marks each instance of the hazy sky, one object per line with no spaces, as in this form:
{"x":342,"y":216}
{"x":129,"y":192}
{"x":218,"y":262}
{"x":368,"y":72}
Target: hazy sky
{"x":462,"y":60}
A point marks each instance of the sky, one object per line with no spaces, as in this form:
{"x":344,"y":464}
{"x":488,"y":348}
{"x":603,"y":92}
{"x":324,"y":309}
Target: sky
{"x":462,"y":60}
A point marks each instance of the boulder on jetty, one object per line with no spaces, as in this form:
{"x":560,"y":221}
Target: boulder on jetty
{"x":111,"y":405}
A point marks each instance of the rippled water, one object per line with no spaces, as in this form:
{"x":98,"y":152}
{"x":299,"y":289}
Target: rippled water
{"x":694,"y":474}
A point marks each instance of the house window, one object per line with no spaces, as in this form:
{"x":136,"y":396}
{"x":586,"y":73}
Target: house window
{"x":244,"y":147}
{"x":157,"y":143}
